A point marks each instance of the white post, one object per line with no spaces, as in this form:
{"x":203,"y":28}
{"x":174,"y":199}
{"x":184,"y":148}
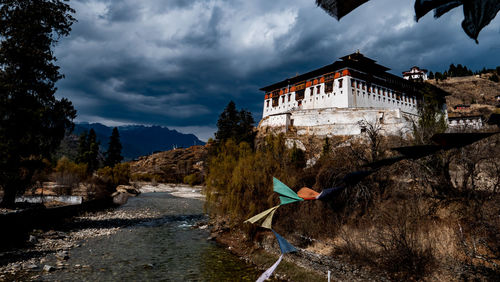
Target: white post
{"x":329,"y":273}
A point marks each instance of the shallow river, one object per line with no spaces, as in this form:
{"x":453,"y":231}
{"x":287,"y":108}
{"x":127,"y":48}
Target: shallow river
{"x":164,"y":248}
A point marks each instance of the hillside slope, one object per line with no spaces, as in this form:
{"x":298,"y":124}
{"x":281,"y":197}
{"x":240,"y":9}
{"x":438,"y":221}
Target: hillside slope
{"x":477,"y":91}
{"x":171,"y":166}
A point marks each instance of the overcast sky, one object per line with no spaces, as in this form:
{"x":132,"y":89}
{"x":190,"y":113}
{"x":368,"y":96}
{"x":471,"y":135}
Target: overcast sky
{"x":177,"y":63}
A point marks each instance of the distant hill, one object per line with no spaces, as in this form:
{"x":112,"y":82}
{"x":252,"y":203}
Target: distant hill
{"x":477,"y":91}
{"x":137,"y":140}
{"x":171,"y":166}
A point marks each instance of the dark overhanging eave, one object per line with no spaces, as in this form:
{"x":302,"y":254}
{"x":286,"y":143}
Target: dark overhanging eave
{"x":336,"y":66}
{"x":292,"y":80}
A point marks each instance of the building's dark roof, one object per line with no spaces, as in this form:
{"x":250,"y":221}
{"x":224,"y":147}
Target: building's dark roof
{"x":415,"y":67}
{"x":355,"y":61}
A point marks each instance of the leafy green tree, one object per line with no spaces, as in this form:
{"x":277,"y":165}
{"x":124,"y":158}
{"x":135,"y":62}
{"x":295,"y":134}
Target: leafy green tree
{"x":246,"y":131}
{"x":83,"y":147}
{"x":88,"y":150}
{"x":235,"y":125}
{"x":452,"y":70}
{"x":438,"y":76}
{"x":113,"y":155}
{"x":227,"y":123}
{"x":431,"y":75}
{"x":431,"y":118}
{"x":92,"y":155}
{"x":32,"y":121}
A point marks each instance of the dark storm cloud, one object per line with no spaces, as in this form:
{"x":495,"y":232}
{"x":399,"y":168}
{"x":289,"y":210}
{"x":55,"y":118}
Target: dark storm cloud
{"x":178,"y":63}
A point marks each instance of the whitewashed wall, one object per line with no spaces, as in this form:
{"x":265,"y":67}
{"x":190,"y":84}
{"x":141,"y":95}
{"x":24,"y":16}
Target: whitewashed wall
{"x":339,"y":121}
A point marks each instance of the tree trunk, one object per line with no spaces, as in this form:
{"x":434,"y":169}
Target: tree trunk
{"x":9,"y":196}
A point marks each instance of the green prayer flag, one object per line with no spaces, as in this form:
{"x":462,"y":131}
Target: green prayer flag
{"x":287,"y":196}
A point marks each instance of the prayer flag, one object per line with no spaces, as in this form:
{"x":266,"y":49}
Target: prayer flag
{"x":327,"y":192}
{"x":285,"y":247}
{"x":270,"y":271}
{"x":287,"y":195}
{"x":307,"y":193}
{"x":266,"y":215}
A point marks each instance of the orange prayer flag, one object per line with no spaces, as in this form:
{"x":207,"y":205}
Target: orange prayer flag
{"x":307,"y":193}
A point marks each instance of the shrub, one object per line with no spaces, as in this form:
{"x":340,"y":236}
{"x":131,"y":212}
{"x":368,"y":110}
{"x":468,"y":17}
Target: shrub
{"x":117,"y":175}
{"x":147,"y":177}
{"x":69,"y":173}
{"x":192,"y":179}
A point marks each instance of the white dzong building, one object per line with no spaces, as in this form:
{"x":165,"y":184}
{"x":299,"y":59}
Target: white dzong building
{"x":337,"y":98}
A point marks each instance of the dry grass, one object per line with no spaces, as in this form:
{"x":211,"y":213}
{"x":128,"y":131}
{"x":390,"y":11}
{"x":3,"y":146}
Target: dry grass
{"x":465,"y":90}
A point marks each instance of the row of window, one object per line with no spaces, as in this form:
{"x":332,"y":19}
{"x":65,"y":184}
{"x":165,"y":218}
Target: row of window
{"x":384,"y":99}
{"x":299,"y":95}
{"x":384,"y":94}
{"x":328,"y":80}
{"x":382,"y":91}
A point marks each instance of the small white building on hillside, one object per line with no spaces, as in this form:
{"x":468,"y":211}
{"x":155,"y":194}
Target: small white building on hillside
{"x":415,"y":73}
{"x":464,"y":123}
{"x":332,"y":100}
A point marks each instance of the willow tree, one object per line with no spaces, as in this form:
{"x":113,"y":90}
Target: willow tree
{"x":32,"y":121}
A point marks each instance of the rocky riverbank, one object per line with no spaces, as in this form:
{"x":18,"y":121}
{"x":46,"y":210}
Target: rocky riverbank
{"x":49,"y":250}
{"x":304,"y":265}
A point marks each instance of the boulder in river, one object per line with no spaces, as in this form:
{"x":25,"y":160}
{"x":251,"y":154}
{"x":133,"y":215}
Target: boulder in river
{"x":48,"y":268}
{"x":120,"y":198}
{"x":128,"y":189}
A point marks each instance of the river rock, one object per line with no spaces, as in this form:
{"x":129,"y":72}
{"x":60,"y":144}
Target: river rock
{"x":31,"y":266}
{"x":120,"y":198}
{"x":33,"y":239}
{"x":62,"y":255}
{"x":48,"y":268}
{"x":128,"y":189}
{"x":55,"y":234}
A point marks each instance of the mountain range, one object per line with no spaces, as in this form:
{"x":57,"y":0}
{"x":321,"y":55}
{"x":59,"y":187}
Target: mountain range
{"x":136,"y":140}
